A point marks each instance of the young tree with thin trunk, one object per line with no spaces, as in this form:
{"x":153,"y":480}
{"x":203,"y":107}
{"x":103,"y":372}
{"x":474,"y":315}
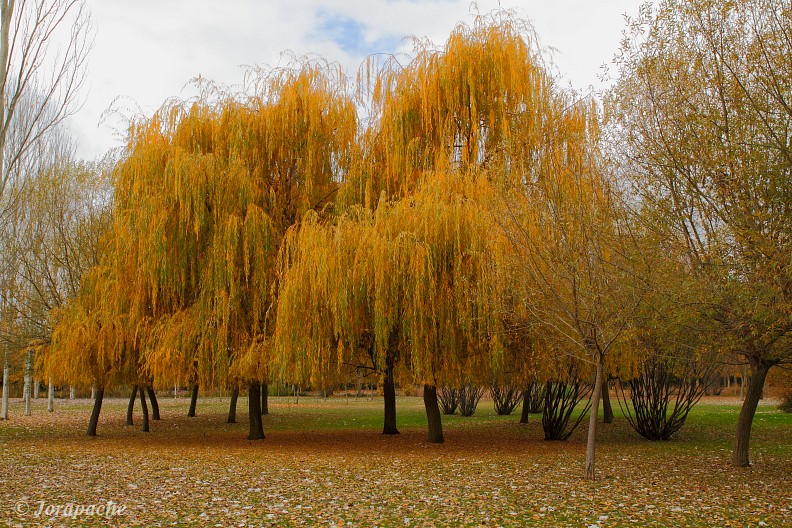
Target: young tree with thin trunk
{"x":572,"y":245}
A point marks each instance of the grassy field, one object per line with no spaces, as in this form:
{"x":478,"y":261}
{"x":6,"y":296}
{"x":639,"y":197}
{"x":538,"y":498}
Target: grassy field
{"x":324,"y":463}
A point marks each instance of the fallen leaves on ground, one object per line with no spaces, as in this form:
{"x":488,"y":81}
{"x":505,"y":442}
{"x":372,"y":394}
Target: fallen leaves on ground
{"x":490,"y":472}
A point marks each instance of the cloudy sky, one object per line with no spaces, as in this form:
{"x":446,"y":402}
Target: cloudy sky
{"x":146,"y":51}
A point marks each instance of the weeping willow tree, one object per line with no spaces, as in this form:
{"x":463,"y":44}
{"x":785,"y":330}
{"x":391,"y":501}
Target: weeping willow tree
{"x":403,"y":284}
{"x":476,"y":104}
{"x":474,"y":111}
{"x":93,"y":343}
{"x":204,"y":195}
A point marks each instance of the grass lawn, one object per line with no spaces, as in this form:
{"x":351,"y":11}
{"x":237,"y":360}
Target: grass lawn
{"x":324,"y":463}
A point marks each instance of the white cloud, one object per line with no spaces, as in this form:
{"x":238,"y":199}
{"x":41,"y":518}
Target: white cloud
{"x":148,"y":50}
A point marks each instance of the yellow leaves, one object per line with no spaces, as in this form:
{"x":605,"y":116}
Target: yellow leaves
{"x":461,"y":108}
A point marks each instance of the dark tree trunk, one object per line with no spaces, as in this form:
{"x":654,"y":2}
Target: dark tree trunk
{"x":145,"y":410}
{"x":525,"y":407}
{"x":745,"y":421}
{"x":233,"y":405}
{"x":607,"y":410}
{"x":193,"y":401}
{"x":97,"y":408}
{"x":389,"y":391}
{"x":433,"y":415}
{"x":131,"y":406}
{"x":254,"y":411}
{"x":264,"y":399}
{"x":155,"y":414}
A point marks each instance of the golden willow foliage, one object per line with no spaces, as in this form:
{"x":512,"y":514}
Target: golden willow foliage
{"x":479,"y":104}
{"x":409,"y":279}
{"x":203,"y":197}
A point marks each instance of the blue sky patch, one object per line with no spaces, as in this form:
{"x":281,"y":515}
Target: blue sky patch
{"x":350,"y":36}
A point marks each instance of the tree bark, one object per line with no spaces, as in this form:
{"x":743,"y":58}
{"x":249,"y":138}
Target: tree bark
{"x":28,"y":386}
{"x":254,"y":412}
{"x":592,"y":430}
{"x":145,"y":410}
{"x":50,"y":397}
{"x":155,"y":414}
{"x":97,"y":408}
{"x":72,"y":392}
{"x":607,"y":410}
{"x":35,"y":388}
{"x":389,"y":391}
{"x":433,"y":418}
{"x":524,"y":414}
{"x":233,"y":405}
{"x":6,"y":381}
{"x":264,"y":399}
{"x":93,"y":393}
{"x":193,"y":401}
{"x":745,"y":421}
{"x":131,"y":406}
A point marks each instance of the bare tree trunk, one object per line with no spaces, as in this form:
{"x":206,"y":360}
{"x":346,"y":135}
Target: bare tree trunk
{"x":35,"y":388}
{"x":152,"y":395}
{"x":97,"y":408}
{"x":28,"y":387}
{"x":592,"y":430}
{"x":6,"y":381}
{"x":193,"y":401}
{"x":254,"y":411}
{"x":607,"y":410}
{"x":433,"y":418}
{"x":525,"y":414}
{"x":144,"y":407}
{"x":93,"y":393}
{"x":131,"y":406}
{"x":72,"y":392}
{"x":50,"y":397}
{"x":742,"y":382}
{"x":389,"y":391}
{"x":745,"y":421}
{"x":233,"y":405}
{"x":264,"y":399}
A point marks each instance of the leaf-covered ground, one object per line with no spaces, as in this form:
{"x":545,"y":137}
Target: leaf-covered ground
{"x":324,"y":463}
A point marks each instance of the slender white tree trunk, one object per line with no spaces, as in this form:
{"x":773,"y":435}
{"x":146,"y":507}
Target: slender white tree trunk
{"x":28,"y":381}
{"x":35,"y":388}
{"x":592,"y":430}
{"x":51,"y":397}
{"x":6,"y":8}
{"x":6,"y":381}
{"x":71,"y":392}
{"x":93,"y":393}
